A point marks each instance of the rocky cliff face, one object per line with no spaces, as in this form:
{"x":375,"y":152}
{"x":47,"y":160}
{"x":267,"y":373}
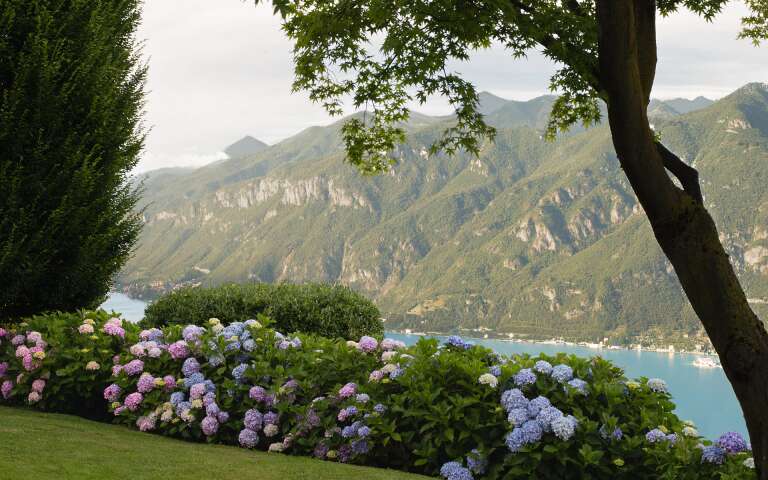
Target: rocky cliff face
{"x":532,"y":237}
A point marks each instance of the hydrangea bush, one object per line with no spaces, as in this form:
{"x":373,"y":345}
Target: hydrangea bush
{"x":455,"y":410}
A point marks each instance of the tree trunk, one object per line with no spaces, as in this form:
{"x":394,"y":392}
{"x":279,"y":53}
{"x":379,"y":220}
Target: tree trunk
{"x":684,"y":229}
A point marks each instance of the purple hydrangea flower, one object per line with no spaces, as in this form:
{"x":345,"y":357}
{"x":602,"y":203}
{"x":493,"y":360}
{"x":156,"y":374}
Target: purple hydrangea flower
{"x":257,"y":393}
{"x":616,"y":435}
{"x":271,"y":418}
{"x":360,"y":447}
{"x":345,"y":413}
{"x":192,"y":333}
{"x":321,"y":450}
{"x":348,"y":390}
{"x":368,"y":344}
{"x":732,"y":442}
{"x":248,"y":438}
{"x":197,"y":391}
{"x":112,"y":393}
{"x":178,"y":350}
{"x":223,"y":417}
{"x":712,"y":454}
{"x":146,"y":383}
{"x":524,"y":377}
{"x":253,"y":420}
{"x":562,"y":373}
{"x":210,"y":426}
{"x":134,"y":367}
{"x":495,"y":370}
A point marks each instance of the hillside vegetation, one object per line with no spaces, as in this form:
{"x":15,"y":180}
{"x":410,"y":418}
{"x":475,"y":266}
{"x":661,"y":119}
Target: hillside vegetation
{"x":534,"y":238}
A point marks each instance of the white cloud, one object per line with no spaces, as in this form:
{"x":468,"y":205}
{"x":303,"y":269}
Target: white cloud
{"x":222,"y":69}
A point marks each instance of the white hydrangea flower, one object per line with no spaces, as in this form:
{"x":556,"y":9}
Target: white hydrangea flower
{"x":488,"y":379}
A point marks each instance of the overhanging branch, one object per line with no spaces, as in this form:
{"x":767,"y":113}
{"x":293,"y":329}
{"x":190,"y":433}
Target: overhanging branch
{"x":688,"y":176}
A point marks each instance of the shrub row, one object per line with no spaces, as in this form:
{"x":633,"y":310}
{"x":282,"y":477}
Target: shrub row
{"x":333,"y":311}
{"x":456,"y":410}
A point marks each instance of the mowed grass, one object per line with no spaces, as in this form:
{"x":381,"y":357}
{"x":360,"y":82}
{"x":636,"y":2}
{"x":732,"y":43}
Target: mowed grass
{"x":40,"y":446}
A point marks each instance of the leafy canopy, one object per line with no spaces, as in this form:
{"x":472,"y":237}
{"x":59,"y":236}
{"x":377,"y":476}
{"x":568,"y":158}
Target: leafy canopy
{"x":383,"y":54}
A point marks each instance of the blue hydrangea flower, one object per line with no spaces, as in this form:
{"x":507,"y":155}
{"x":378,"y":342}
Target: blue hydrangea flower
{"x":562,"y":373}
{"x":193,"y":379}
{"x":348,"y":431}
{"x":239,"y":371}
{"x":458,"y":342}
{"x":362,"y":398}
{"x":712,"y":454}
{"x":495,"y":370}
{"x":525,"y":377}
{"x":379,"y":408}
{"x":616,"y":435}
{"x":515,"y":440}
{"x":655,"y":436}
{"x":546,"y":416}
{"x":564,"y":427}
{"x":360,"y":447}
{"x":531,"y":431}
{"x":579,"y":385}
{"x":190,"y":367}
{"x":477,"y":463}
{"x":543,"y":366}
{"x":177,"y":398}
{"x":657,"y":385}
{"x":253,"y":420}
{"x":536,"y":405}
{"x":212,"y":410}
{"x":455,"y":471}
{"x":363,"y":431}
{"x":518,"y":416}
{"x":732,"y":442}
{"x":513,"y":398}
{"x":249,"y":345}
{"x":216,"y":360}
{"x":248,"y":438}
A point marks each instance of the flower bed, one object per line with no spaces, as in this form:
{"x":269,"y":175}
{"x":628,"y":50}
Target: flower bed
{"x":455,"y":410}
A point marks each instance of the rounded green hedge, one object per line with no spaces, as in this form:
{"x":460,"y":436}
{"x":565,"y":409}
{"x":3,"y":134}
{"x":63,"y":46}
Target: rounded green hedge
{"x":328,"y":310}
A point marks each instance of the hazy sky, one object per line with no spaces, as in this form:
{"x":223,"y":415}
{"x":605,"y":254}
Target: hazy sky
{"x":221,"y":69}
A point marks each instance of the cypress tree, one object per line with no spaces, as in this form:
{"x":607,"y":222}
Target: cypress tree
{"x":71,"y":101}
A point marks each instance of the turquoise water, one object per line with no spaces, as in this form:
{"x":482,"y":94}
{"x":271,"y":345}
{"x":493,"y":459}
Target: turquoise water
{"x":701,"y":394}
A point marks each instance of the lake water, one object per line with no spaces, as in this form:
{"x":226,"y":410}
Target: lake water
{"x":701,"y":394}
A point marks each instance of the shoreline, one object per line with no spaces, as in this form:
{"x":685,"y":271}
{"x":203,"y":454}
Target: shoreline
{"x":591,"y":346}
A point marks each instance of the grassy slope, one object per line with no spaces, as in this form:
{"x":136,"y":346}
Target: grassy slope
{"x":47,"y":446}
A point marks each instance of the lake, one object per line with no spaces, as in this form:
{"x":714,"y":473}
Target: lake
{"x":701,"y":394}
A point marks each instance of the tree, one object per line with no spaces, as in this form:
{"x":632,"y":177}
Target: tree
{"x":71,"y":100}
{"x":606,"y":50}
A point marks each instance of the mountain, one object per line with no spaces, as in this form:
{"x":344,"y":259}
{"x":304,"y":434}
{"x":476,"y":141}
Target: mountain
{"x":244,"y":147}
{"x":532,"y":238}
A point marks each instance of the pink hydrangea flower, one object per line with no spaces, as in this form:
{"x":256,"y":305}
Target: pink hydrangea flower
{"x":116,"y":369}
{"x":114,"y":330}
{"x":5,"y":389}
{"x":170,"y":383}
{"x":34,"y":337}
{"x":27,"y":363}
{"x":38,"y":385}
{"x":137,"y":350}
{"x":133,"y":400}
{"x":3,"y":332}
{"x":210,"y":425}
{"x":197,"y":391}
{"x":34,"y":397}
{"x":85,"y":329}
{"x":375,"y":376}
{"x":22,"y":351}
{"x":146,"y":423}
{"x":178,"y":350}
{"x":119,"y":410}
{"x":17,"y":340}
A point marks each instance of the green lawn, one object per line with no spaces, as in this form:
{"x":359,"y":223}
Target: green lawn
{"x":49,"y":446}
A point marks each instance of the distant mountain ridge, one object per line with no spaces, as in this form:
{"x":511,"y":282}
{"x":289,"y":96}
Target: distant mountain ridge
{"x":532,"y":238}
{"x":244,"y":147}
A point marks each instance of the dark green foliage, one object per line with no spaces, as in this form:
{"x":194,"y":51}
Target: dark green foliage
{"x":329,"y":310}
{"x":71,"y":98}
